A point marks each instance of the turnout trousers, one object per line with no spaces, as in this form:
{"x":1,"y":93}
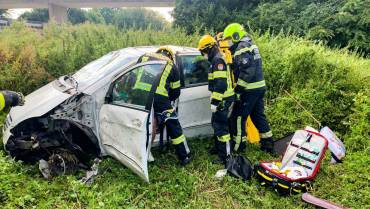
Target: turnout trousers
{"x":167,"y":115}
{"x":250,"y":104}
{"x":220,"y":124}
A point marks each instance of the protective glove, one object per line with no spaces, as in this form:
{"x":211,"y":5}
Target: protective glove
{"x":13,"y":98}
{"x":213,"y":108}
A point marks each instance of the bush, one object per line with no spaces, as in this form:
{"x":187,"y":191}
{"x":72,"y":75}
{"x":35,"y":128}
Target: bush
{"x":57,"y":50}
{"x":325,"y":81}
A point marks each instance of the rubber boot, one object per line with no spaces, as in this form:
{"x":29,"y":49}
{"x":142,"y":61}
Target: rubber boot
{"x":213,"y":149}
{"x":267,"y":145}
{"x":222,"y":152}
{"x":242,"y":146}
{"x":183,"y":154}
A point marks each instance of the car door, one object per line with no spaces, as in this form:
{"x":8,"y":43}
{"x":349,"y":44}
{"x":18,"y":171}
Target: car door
{"x":194,"y":107}
{"x":126,"y":116}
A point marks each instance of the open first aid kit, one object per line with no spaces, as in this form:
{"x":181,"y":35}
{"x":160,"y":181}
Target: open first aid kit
{"x":299,"y":165}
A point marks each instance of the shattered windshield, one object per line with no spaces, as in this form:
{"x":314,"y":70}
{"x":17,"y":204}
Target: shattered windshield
{"x":103,"y":66}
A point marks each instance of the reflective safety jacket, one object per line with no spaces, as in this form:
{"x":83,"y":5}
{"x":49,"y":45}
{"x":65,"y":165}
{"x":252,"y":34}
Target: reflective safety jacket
{"x":247,"y":67}
{"x":169,"y":83}
{"x":219,"y":78}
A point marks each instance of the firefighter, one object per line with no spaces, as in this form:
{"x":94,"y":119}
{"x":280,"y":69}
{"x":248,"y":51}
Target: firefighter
{"x":250,"y":86}
{"x":220,"y":85}
{"x":168,"y":90}
{"x":10,"y":99}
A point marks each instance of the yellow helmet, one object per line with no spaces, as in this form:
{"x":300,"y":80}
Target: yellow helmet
{"x":166,"y":51}
{"x":206,"y":42}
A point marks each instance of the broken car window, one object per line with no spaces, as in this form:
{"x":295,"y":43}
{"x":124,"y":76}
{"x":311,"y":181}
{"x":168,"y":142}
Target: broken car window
{"x":194,"y":71}
{"x":134,"y":87}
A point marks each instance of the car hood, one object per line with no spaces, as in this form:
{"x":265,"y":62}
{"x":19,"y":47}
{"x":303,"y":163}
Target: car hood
{"x":36,"y":104}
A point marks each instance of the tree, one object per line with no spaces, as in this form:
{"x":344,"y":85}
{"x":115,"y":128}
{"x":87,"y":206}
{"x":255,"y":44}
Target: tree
{"x":95,"y":16}
{"x":108,"y":14}
{"x":76,"y":16}
{"x":3,"y":12}
{"x":338,"y":23}
{"x":138,"y":18}
{"x":41,"y":15}
{"x":212,"y":15}
{"x":351,"y":26}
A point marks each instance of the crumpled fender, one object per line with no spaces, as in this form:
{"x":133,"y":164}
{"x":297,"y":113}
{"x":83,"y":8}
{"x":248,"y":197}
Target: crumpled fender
{"x":36,"y":104}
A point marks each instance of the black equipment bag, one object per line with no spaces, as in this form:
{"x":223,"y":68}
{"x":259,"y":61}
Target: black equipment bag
{"x":240,"y":167}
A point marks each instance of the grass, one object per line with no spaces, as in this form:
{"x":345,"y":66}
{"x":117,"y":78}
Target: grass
{"x":172,"y":186}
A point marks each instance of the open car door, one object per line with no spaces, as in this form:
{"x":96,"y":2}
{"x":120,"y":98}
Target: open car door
{"x":194,"y":107}
{"x":125,"y":118}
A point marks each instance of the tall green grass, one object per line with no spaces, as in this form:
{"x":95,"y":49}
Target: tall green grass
{"x":30,"y":58}
{"x":332,"y":84}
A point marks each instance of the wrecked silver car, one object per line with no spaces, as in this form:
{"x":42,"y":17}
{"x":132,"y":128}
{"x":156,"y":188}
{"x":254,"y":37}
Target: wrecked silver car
{"x":98,"y":112}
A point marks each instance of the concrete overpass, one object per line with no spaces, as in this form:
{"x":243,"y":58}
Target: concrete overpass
{"x":58,"y":8}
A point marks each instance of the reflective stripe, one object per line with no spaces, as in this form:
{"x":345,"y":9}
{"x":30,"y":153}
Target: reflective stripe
{"x":142,"y":86}
{"x":239,"y":133}
{"x":162,"y":92}
{"x":2,"y":101}
{"x":244,"y":139}
{"x":217,"y":96}
{"x":230,"y":89}
{"x":296,"y":190}
{"x":284,"y":186}
{"x":178,"y":140}
{"x":161,"y":89}
{"x":186,"y":147}
{"x":246,"y":49}
{"x":219,"y":74}
{"x":175,"y":85}
{"x":168,"y":111}
{"x":229,"y":93}
{"x":210,"y":76}
{"x":239,"y":127}
{"x":266,"y":135}
{"x":255,"y":85}
{"x":228,"y":148}
{"x":264,"y":176}
{"x":224,"y":138}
